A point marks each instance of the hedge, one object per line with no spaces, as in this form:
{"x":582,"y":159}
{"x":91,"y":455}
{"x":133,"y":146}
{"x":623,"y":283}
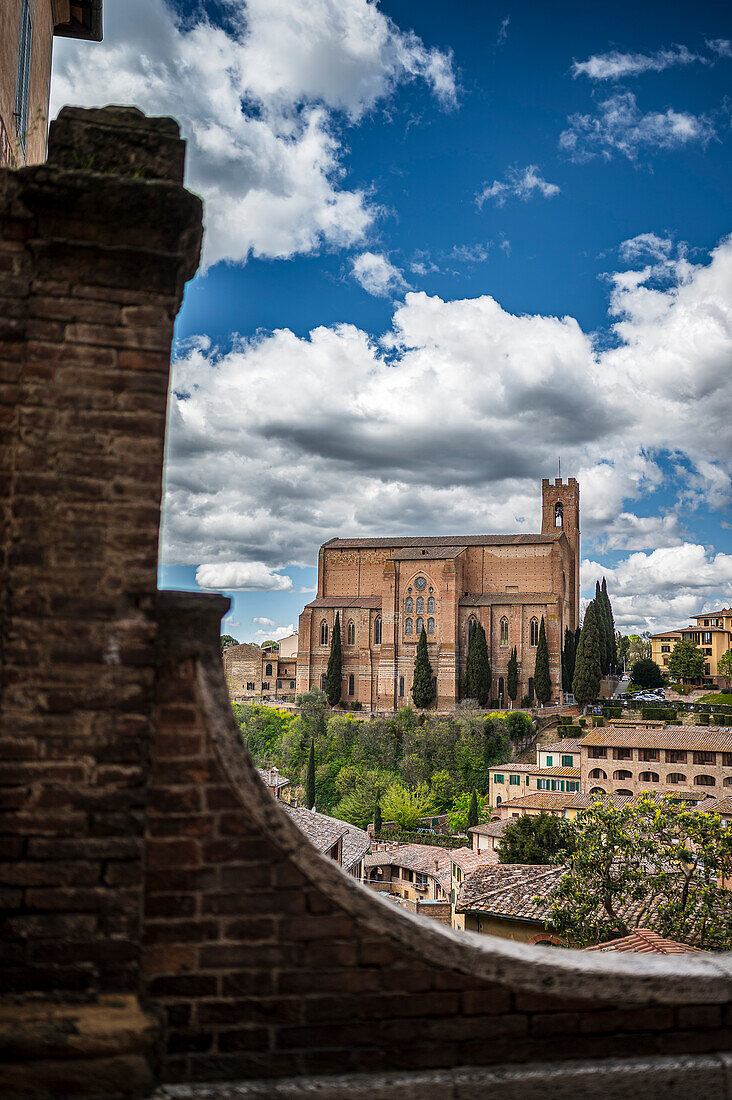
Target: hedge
{"x":662,"y":714}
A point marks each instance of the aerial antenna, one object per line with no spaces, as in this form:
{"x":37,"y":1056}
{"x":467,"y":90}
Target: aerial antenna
{"x":560,"y":467}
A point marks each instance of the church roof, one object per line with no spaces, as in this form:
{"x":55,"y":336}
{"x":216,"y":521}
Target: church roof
{"x":441,"y":541}
{"x":418,"y":553}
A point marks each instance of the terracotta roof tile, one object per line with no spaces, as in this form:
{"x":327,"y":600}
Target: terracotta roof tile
{"x":272,"y":778}
{"x":700,"y":738}
{"x":645,"y":942}
{"x":423,"y":858}
{"x":489,"y":828}
{"x":469,"y":861}
{"x":533,"y":769}
{"x":570,"y":744}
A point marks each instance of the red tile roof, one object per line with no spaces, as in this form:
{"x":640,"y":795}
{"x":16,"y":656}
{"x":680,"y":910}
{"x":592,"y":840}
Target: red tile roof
{"x":645,"y":942}
{"x":700,"y":738}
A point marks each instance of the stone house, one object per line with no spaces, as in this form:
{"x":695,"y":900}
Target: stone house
{"x":565,"y":754}
{"x":416,"y":872}
{"x":386,"y":590}
{"x":486,"y":837}
{"x":340,"y":841}
{"x":278,"y":785}
{"x":256,"y":673}
{"x":711,"y":632}
{"x":506,"y":781}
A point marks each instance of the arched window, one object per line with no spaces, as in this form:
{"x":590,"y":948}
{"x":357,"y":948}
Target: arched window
{"x":351,"y":684}
{"x":408,"y":626}
{"x":292,"y":685}
{"x":728,"y":781}
{"x":430,"y":626}
{"x":705,"y":781}
{"x":420,"y":624}
{"x":324,"y":633}
{"x":598,"y":773}
{"x":558,"y":514}
{"x":623,"y":773}
{"x":676,"y":778}
{"x":351,"y":632}
{"x":597,"y":790}
{"x":409,"y":605}
{"x":499,"y":800}
{"x":500,"y":687}
{"x":377,"y":631}
{"x":420,"y":605}
{"x":534,"y":632}
{"x":430,"y":603}
{"x":648,"y":777}
{"x":268,"y":670}
{"x":472,"y":623}
{"x":628,"y":794}
{"x":504,"y":631}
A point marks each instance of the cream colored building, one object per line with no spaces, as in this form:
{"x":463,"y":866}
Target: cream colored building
{"x":711,"y":632}
{"x":507,"y":781}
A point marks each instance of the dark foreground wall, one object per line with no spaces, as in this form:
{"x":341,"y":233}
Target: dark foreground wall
{"x":163,"y":919}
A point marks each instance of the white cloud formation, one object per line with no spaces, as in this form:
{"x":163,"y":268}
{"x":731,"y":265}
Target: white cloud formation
{"x":262,"y":620}
{"x":377,"y":275}
{"x":520,"y":183}
{"x":661,"y":589}
{"x":447,"y":422}
{"x":619,"y":126}
{"x":272,"y":633}
{"x":646,"y":246}
{"x":503,"y":30}
{"x":260,"y":102}
{"x":243,"y":576}
{"x":617,"y":66}
{"x":721,"y":46}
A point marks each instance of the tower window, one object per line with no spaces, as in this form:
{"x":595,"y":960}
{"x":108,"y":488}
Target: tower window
{"x":351,"y":684}
{"x":558,"y":514}
{"x":401,"y":687}
{"x":431,"y":604}
{"x":377,"y":631}
{"x":351,"y":632}
{"x":324,"y":633}
{"x":504,"y":631}
{"x":268,"y":670}
{"x":22,"y":87}
{"x":420,"y":605}
{"x":430,"y":626}
{"x":472,"y":623}
{"x":534,"y":632}
{"x":420,"y":624}
{"x":409,"y":605}
{"x":408,"y":626}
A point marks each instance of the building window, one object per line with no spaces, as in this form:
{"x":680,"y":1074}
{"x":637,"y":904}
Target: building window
{"x":251,"y":685}
{"x":550,"y":761}
{"x":534,"y":632}
{"x":665,"y":649}
{"x":420,"y":605}
{"x":705,"y":758}
{"x":351,"y":633}
{"x":292,"y":685}
{"x":351,"y":684}
{"x":501,"y":687}
{"x":430,"y":604}
{"x":597,"y":753}
{"x":623,"y":773}
{"x":727,"y":759}
{"x":377,"y":631}
{"x":430,"y":626}
{"x":279,"y":684}
{"x":514,"y":780}
{"x":705,"y":781}
{"x":648,"y":777}
{"x":558,"y":515}
{"x":531,"y":689}
{"x":401,"y":687}
{"x":420,"y":624}
{"x":648,"y":754}
{"x":409,"y":605}
{"x":598,"y":773}
{"x":567,"y":761}
{"x":434,"y":687}
{"x":497,"y":778}
{"x":323,"y":679}
{"x":472,"y":623}
{"x":675,"y":756}
{"x":324,"y":633}
{"x":421,"y":881}
{"x":408,"y":626}
{"x":22,"y":87}
{"x":265,"y":685}
{"x":504,"y":631}
{"x":268,"y":670}
{"x":676,"y":778}
{"x":622,"y":754}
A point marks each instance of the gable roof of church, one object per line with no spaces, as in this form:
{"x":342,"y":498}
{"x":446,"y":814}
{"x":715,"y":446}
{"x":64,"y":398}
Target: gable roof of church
{"x":442,"y":541}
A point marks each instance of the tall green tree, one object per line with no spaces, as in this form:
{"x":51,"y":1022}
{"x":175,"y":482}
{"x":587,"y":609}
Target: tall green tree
{"x":512,"y":678}
{"x":473,"y":810}
{"x":310,"y":778}
{"x":378,"y":820}
{"x":422,"y":690}
{"x":686,"y":661}
{"x":611,"y":624}
{"x":333,"y":676}
{"x":587,"y":671}
{"x":646,"y":674}
{"x":601,"y":629}
{"x":226,"y":641}
{"x":542,"y":838}
{"x":542,"y":677}
{"x":622,"y":646}
{"x":724,"y":667}
{"x":478,"y":667}
{"x":568,"y":660}
{"x":406,"y":806}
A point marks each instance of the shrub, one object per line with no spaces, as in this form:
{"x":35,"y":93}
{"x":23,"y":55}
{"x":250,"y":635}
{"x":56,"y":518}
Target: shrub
{"x":526,"y":702}
{"x":598,"y":721}
{"x":612,"y":712}
{"x":357,"y":705}
{"x":702,"y":720}
{"x":661,"y":714}
{"x":582,"y":723}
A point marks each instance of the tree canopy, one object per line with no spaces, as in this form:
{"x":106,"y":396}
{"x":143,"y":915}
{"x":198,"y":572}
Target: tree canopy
{"x":539,"y":838}
{"x":423,"y":691}
{"x":333,"y":676}
{"x":686,"y":661}
{"x":724,"y":666}
{"x":646,"y":674}
{"x":310,"y":778}
{"x":226,"y":641}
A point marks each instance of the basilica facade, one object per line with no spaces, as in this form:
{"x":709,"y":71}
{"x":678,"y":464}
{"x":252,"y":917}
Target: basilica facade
{"x":385,"y":590}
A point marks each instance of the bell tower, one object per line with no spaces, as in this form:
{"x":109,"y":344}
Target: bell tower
{"x":560,"y":512}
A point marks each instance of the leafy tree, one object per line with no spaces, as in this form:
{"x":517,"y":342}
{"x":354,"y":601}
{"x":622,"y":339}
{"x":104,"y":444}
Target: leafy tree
{"x":646,"y":674}
{"x":622,"y":643}
{"x":473,"y":810}
{"x":444,"y":789}
{"x":686,"y":661}
{"x":612,"y":644}
{"x":542,"y":678}
{"x":587,"y":672}
{"x":422,"y":690}
{"x":724,"y":667}
{"x":654,"y":865}
{"x":543,"y":838}
{"x":639,"y":646}
{"x":226,"y":641}
{"x":458,"y":816}
{"x":478,"y":668}
{"x":568,"y":659}
{"x":406,"y":806}
{"x":512,"y":679}
{"x":333,"y":676}
{"x":378,"y":820}
{"x":347,"y":779}
{"x":310,"y":778}
{"x":270,"y":644}
{"x":359,"y":807}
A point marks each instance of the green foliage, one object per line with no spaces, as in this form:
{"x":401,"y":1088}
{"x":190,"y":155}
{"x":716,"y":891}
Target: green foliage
{"x":686,"y":661}
{"x":422,"y":690}
{"x":473,"y":810}
{"x":587,"y":672}
{"x":333,"y":676}
{"x":478,"y":668}
{"x":724,"y":667}
{"x":226,"y":641}
{"x":543,"y":838}
{"x":310,"y":778}
{"x":512,"y":678}
{"x":610,"y":623}
{"x":622,"y":646}
{"x":658,"y":860}
{"x":601,"y":629}
{"x":658,"y":714}
{"x":717,"y":697}
{"x":359,"y":806}
{"x":406,"y":806}
{"x":458,"y":816}
{"x":378,"y":820}
{"x":444,"y":790}
{"x":542,"y":678}
{"x":646,"y":674}
{"x":568,"y":660}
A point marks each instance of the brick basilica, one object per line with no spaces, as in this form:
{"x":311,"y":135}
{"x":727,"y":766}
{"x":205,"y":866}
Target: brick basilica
{"x":386,"y":589}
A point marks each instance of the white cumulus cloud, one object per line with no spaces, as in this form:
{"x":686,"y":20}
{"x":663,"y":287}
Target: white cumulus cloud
{"x":619,"y":126}
{"x":616,"y":65}
{"x":520,"y":183}
{"x":378,"y":275}
{"x":261,"y":101}
{"x":245,"y":576}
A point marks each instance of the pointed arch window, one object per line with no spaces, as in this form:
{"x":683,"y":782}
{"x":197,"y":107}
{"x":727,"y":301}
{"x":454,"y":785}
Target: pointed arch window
{"x":534,"y":632}
{"x":420,"y":624}
{"x":351,"y":632}
{"x":504,"y":631}
{"x":324,"y":633}
{"x":430,"y":626}
{"x":420,"y":605}
{"x":377,"y":631}
{"x":472,"y":623}
{"x":430,"y":604}
{"x":408,"y":626}
{"x":409,"y":605}
{"x":351,"y":684}
{"x":558,"y":514}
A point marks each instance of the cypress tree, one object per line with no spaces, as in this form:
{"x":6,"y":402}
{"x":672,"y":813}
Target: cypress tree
{"x":378,"y":820}
{"x":473,"y":810}
{"x":568,"y":659}
{"x":512,"y":682}
{"x":587,"y":671}
{"x":333,"y":681}
{"x":611,"y":621}
{"x":601,"y":629}
{"x":577,"y":634}
{"x":470,"y":681}
{"x":310,"y":778}
{"x":478,"y":668}
{"x":542,"y":678}
{"x":422,"y":690}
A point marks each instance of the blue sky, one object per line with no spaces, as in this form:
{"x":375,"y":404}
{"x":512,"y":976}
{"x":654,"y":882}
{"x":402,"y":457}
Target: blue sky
{"x":444,"y":245}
